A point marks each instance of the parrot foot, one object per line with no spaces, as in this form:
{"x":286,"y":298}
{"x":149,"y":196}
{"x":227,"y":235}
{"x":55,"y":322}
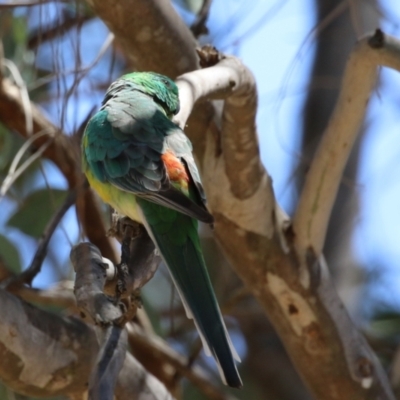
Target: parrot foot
{"x":127,"y":231}
{"x":122,"y":274}
{"x":129,"y":306}
{"x":120,"y":225}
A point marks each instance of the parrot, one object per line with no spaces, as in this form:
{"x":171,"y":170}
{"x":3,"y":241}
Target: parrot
{"x":141,"y":163}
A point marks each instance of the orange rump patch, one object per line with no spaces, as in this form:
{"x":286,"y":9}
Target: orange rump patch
{"x":175,"y":169}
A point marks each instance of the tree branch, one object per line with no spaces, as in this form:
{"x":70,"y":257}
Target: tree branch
{"x":239,"y":164}
{"x":66,"y":346}
{"x":34,"y":268}
{"x":325,"y":174}
{"x":199,"y":26}
{"x":89,"y":284}
{"x":155,"y":23}
{"x":113,"y":340}
{"x":67,"y":349}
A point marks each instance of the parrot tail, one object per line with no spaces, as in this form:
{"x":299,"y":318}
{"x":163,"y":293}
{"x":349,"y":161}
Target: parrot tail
{"x":181,"y":251}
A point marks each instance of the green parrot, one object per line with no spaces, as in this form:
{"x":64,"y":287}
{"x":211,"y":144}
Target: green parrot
{"x":141,"y":163}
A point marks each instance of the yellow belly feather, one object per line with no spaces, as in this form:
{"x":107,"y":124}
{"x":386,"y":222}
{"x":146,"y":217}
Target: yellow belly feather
{"x":123,"y":202}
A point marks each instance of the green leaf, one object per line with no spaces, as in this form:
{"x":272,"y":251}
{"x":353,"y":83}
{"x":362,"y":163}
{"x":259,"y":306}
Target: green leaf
{"x":9,"y":255}
{"x":19,"y":31}
{"x":6,"y":147}
{"x":36,"y":211}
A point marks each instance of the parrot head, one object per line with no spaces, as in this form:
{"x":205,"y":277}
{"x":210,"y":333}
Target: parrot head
{"x":160,"y":87}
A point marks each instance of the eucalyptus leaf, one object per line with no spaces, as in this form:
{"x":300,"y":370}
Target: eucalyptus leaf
{"x":19,"y":30}
{"x":9,"y":255}
{"x":36,"y":211}
{"x":6,"y":147}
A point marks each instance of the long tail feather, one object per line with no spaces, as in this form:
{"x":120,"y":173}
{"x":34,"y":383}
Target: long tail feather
{"x":186,"y":265}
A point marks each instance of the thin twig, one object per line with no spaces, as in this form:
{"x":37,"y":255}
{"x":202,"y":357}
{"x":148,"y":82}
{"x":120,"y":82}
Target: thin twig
{"x":26,"y":104}
{"x":41,"y":251}
{"x":13,"y":172}
{"x":199,"y":26}
{"x":59,"y":295}
{"x":30,"y":273}
{"x":57,"y":29}
{"x":82,"y":70}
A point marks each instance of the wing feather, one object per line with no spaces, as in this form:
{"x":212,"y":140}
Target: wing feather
{"x":129,"y":139}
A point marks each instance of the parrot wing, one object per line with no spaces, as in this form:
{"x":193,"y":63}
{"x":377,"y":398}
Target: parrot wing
{"x":132,"y":136}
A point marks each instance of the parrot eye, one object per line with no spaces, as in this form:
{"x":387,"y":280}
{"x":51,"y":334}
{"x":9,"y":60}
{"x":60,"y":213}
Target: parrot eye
{"x":166,"y":83}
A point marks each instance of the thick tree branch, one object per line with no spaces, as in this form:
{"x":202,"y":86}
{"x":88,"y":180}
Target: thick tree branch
{"x":67,"y":349}
{"x":239,"y":169}
{"x":90,"y":279}
{"x":141,"y":258}
{"x":152,"y":28}
{"x":66,"y":346}
{"x":134,"y":382}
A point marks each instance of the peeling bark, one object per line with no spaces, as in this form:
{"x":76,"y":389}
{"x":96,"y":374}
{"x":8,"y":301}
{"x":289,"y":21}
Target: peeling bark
{"x":28,"y":335}
{"x":44,"y":354}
